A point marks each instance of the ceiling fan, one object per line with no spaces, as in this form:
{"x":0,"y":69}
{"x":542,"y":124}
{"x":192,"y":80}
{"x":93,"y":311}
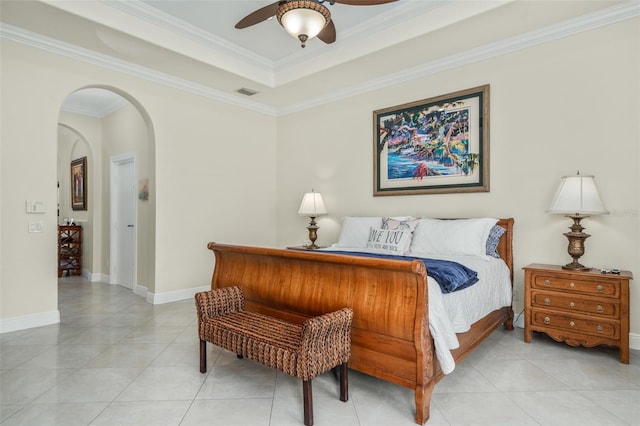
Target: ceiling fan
{"x":303,"y":19}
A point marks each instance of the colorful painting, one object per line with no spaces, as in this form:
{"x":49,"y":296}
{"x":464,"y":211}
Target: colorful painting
{"x":79,"y":184}
{"x":437,"y":145}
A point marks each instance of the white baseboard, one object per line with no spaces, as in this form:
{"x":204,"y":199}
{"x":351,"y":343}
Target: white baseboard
{"x":634,"y":341}
{"x":175,"y":296}
{"x":29,"y":321}
{"x":140,"y":291}
{"x":168,"y":297}
{"x":98,"y":278}
{"x":153,"y":298}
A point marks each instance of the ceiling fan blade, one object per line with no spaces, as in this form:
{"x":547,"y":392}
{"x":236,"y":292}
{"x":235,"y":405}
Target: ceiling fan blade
{"x":328,"y":33}
{"x":258,"y":16}
{"x":364,"y":2}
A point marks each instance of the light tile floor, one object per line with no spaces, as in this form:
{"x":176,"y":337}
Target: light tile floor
{"x":116,"y":360}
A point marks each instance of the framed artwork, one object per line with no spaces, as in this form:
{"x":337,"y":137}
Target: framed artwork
{"x":433,"y":146}
{"x":79,"y":184}
{"x":143,"y":189}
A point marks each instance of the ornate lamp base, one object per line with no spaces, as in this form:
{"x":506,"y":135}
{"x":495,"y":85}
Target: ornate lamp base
{"x":313,"y":234}
{"x":576,"y":243}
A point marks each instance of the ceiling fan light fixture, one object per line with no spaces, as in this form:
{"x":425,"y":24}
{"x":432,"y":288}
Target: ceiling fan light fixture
{"x":303,"y":19}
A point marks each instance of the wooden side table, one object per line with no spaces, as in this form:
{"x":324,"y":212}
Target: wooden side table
{"x":69,"y":249}
{"x":580,"y":308}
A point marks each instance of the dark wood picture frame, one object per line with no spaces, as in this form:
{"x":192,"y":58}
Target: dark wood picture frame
{"x":79,"y":184}
{"x":433,"y":146}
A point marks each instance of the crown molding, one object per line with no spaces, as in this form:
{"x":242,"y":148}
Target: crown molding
{"x":19,"y":35}
{"x":611,"y":15}
{"x":152,"y":15}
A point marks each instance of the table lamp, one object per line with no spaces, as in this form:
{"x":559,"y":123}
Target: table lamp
{"x":312,"y":206}
{"x":577,"y":197}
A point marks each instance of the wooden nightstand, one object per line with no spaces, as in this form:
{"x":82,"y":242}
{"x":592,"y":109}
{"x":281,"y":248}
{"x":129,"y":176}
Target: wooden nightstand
{"x":580,"y":308}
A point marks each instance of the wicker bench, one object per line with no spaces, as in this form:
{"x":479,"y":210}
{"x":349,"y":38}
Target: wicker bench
{"x":301,"y":350}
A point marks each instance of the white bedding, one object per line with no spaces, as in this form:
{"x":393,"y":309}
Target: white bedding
{"x":455,"y":312}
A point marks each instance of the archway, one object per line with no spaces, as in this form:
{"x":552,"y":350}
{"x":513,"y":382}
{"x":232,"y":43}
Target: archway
{"x":116,"y":125}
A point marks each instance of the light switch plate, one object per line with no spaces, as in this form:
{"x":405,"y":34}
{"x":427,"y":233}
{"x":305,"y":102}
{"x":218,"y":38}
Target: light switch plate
{"x":36,"y":207}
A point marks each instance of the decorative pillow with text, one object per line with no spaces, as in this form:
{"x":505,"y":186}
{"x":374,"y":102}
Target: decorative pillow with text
{"x":389,"y":241}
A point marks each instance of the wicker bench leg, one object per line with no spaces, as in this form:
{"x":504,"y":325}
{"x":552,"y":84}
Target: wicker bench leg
{"x":307,"y":397}
{"x":203,"y":356}
{"x":344,"y":382}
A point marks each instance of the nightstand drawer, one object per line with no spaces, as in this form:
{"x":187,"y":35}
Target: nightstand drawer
{"x":599,"y":287}
{"x":594,"y":327}
{"x":574,"y":303}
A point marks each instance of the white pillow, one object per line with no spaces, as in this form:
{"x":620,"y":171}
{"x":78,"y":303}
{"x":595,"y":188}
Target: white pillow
{"x":389,"y":241}
{"x":355,"y":230}
{"x":452,"y":237}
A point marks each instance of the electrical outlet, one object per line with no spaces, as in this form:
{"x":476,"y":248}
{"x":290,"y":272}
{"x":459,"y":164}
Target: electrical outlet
{"x":36,"y":226}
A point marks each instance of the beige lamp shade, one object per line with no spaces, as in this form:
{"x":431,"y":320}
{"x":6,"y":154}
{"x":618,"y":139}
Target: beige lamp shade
{"x":577,"y":195}
{"x":312,"y":205}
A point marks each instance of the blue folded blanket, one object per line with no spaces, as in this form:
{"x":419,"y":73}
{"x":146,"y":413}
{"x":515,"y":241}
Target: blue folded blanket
{"x":451,"y":276}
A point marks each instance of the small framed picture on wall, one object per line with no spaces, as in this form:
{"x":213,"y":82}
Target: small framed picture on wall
{"x":79,"y":184}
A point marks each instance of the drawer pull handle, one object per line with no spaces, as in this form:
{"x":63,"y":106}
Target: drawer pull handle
{"x":547,"y":320}
{"x":547,"y":283}
{"x":599,"y":329}
{"x":600,"y":288}
{"x":572,"y":323}
{"x":547,"y":301}
{"x":572,"y":304}
{"x":599,"y":308}
{"x":572,"y":284}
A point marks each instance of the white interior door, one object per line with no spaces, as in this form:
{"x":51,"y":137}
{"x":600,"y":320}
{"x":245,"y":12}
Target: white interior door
{"x":123,"y":222}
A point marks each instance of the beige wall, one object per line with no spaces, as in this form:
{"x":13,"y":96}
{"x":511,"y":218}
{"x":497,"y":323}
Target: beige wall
{"x":565,"y":105}
{"x":572,"y":104}
{"x":214,"y":177}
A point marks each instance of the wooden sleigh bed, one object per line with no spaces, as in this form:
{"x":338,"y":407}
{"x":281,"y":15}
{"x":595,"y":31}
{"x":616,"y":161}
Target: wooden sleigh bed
{"x":390,"y":331}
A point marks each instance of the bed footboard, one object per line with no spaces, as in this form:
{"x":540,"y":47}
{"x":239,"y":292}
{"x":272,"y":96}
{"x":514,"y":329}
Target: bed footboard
{"x":390,"y":330}
{"x":390,"y":336}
